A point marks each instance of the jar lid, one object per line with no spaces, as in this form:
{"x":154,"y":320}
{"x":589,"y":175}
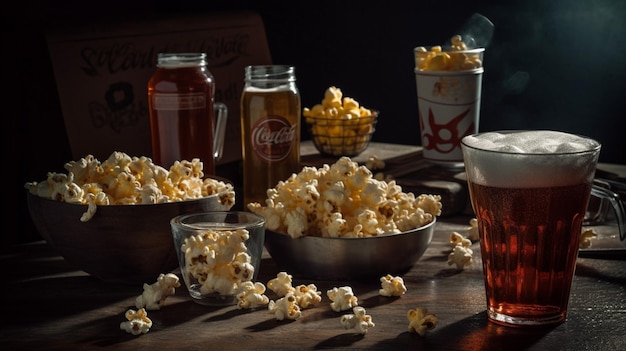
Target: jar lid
{"x":177,"y":60}
{"x":271,"y":73}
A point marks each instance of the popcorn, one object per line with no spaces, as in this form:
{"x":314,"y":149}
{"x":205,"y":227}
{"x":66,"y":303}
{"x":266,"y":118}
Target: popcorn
{"x":458,"y":239}
{"x":461,"y":256}
{"x":373,"y":163}
{"x":343,"y":200}
{"x":93,"y":200}
{"x":251,"y":295}
{"x":586,"y":237}
{"x":335,"y":107}
{"x":285,"y":307}
{"x":457,"y":58}
{"x":154,"y":295}
{"x":217,"y":259}
{"x":137,"y":322}
{"x":392,"y":286}
{"x":125,"y":180}
{"x":307,"y":295}
{"x":383,"y":177}
{"x":358,"y":320}
{"x":339,"y":124}
{"x":342,"y":298}
{"x":281,"y":285}
{"x":420,"y":320}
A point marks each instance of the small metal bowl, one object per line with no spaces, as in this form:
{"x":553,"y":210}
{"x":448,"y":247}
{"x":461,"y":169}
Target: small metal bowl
{"x":318,"y":258}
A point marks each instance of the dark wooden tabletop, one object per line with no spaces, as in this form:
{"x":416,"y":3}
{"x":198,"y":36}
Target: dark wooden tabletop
{"x":47,"y":304}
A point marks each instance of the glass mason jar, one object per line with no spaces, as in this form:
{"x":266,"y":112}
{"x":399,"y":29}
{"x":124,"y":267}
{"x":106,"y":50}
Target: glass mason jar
{"x":185,"y":121}
{"x":270,"y":129}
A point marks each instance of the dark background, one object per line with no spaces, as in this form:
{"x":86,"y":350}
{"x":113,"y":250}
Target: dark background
{"x":556,"y":64}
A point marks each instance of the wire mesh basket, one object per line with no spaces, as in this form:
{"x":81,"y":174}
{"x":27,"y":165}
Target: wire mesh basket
{"x":342,"y":136}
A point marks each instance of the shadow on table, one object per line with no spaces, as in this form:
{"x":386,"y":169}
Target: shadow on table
{"x":342,"y":340}
{"x":472,"y":333}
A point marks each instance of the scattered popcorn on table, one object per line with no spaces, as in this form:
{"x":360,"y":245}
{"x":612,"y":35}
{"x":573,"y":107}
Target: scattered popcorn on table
{"x":281,"y":285}
{"x":251,"y":295}
{"x":392,"y":286}
{"x":154,"y":295}
{"x":342,"y":298}
{"x":285,"y":307}
{"x":374,"y":163}
{"x":461,"y":255}
{"x":307,"y":295}
{"x":343,"y":200}
{"x":420,"y":321}
{"x":137,"y":322}
{"x":217,"y":259}
{"x":454,"y":59}
{"x":458,"y":239}
{"x":586,"y":237}
{"x":126,"y":180}
{"x":359,"y":319}
{"x":472,"y":231}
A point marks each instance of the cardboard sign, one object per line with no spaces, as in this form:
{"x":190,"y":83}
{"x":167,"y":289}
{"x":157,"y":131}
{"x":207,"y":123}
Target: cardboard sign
{"x":102,"y":74}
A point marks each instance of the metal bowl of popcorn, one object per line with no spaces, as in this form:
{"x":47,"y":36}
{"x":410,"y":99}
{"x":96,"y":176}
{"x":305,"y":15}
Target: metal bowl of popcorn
{"x":119,"y":243}
{"x":320,"y":258}
{"x":339,"y":126}
{"x":339,"y":223}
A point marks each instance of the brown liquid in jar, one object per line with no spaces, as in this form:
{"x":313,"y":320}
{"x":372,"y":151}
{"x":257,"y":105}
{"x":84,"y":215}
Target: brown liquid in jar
{"x":270,"y":130}
{"x":180,"y":97}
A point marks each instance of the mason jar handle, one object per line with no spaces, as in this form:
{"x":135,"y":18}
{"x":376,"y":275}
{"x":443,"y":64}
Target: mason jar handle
{"x":221,"y":114}
{"x":618,"y":207}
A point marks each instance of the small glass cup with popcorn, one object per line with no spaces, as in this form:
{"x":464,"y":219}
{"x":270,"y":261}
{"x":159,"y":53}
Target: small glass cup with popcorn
{"x":217,"y":252}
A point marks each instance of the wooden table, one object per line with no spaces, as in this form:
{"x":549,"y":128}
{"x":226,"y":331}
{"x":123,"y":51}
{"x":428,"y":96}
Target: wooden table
{"x":47,"y":304}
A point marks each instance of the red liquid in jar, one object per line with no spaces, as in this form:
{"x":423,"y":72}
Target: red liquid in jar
{"x":182,"y":115}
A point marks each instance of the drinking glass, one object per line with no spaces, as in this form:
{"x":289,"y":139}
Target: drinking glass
{"x":217,"y":252}
{"x":530,"y":191}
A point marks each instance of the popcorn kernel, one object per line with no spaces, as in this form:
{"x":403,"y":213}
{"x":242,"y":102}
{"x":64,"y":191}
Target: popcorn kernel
{"x":454,"y":59}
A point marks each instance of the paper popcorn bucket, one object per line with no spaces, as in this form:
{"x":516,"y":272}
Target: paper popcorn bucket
{"x":449,"y":109}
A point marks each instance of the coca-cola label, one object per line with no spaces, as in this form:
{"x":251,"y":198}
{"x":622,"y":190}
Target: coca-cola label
{"x":273,"y":138}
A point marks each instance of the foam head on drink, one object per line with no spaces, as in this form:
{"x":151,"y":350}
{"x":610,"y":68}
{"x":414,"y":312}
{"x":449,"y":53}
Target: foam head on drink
{"x":529,"y":191}
{"x":513,"y":158}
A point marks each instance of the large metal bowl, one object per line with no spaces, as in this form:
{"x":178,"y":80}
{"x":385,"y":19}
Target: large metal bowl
{"x":320,"y":258}
{"x":121,"y":243}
